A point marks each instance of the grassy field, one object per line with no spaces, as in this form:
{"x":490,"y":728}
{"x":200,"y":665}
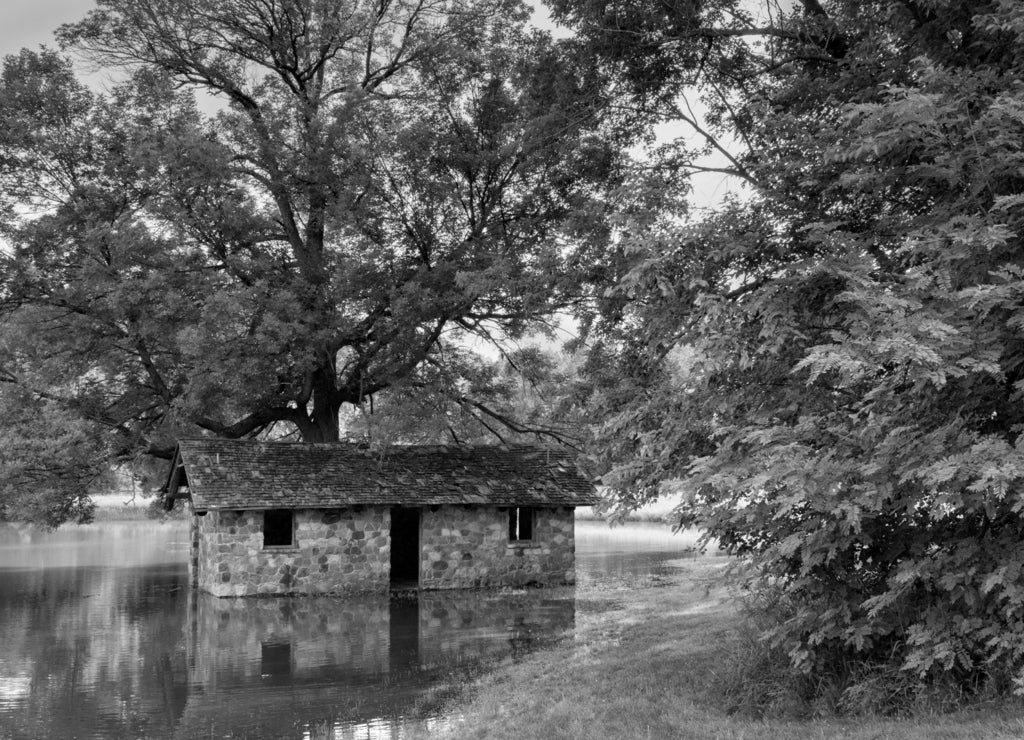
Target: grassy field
{"x":647,"y":669}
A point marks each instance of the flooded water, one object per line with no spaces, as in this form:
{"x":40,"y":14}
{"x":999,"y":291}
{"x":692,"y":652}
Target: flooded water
{"x":100,"y":637}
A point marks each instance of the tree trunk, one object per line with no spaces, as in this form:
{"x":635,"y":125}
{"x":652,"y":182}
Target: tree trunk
{"x":324,"y":416}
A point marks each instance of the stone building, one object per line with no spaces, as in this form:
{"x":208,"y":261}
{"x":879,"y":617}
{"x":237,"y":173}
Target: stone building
{"x":276,"y":518}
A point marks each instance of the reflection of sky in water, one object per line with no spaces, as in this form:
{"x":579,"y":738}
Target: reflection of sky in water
{"x":15,"y":687}
{"x":99,"y":637}
{"x":611,"y":557}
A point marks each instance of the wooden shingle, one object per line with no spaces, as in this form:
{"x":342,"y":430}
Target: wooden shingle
{"x":244,"y":474}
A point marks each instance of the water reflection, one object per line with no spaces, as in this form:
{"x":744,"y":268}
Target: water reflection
{"x":91,"y":652}
{"x":128,"y":651}
{"x":110,"y":544}
{"x":101,"y":638}
{"x":278,"y":667}
{"x":610,"y":557}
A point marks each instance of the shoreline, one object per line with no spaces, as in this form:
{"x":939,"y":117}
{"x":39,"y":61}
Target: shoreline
{"x":645,"y":668}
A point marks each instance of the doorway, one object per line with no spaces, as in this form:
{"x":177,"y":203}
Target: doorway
{"x":405,"y":548}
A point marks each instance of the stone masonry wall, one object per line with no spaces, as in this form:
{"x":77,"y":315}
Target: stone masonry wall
{"x":342,"y":551}
{"x":336,"y":551}
{"x":468,"y":547}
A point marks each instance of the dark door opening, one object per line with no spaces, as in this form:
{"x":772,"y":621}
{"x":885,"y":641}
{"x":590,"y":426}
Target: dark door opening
{"x":405,"y":548}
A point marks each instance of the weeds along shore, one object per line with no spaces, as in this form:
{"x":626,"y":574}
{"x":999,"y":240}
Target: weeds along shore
{"x":661,"y":664}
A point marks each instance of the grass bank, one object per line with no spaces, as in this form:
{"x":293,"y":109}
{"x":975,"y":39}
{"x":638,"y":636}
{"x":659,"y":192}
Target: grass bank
{"x":646,"y":669}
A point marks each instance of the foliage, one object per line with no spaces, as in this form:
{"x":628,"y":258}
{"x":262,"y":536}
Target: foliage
{"x":829,"y":371}
{"x":356,"y":189}
{"x":50,"y":462}
{"x":461,"y":398}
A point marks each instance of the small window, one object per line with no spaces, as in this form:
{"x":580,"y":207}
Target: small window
{"x":520,"y":523}
{"x":277,"y":528}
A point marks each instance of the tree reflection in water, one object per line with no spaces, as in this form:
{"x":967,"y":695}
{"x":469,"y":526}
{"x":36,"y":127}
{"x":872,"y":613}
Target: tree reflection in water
{"x":92,"y":651}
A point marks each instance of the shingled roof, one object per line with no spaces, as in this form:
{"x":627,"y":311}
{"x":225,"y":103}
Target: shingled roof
{"x":243,"y":474}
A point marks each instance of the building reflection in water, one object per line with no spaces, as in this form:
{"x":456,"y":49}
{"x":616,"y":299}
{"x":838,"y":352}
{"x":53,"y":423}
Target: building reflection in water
{"x":287,"y":667}
{"x":94,"y":650}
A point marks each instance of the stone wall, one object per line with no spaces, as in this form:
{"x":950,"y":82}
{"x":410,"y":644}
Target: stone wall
{"x":468,"y":547}
{"x":336,"y":551}
{"x":347,"y":550}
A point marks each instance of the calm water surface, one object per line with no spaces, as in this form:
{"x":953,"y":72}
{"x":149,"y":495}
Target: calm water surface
{"x":101,"y":638}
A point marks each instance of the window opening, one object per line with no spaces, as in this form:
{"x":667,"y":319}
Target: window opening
{"x":520,"y":523}
{"x":278,"y":528}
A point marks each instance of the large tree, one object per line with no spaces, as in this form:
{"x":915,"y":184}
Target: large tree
{"x":830,"y":369}
{"x":356,"y":184}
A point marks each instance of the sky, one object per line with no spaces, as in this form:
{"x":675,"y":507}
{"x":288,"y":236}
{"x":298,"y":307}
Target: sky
{"x":29,"y":23}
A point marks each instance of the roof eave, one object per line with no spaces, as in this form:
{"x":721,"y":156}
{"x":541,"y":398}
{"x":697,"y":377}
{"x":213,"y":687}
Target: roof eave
{"x":262,"y":506}
{"x":172,"y":488}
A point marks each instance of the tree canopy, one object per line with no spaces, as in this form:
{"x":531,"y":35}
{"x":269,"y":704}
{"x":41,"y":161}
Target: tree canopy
{"x":284,"y":207}
{"x":829,"y":371}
